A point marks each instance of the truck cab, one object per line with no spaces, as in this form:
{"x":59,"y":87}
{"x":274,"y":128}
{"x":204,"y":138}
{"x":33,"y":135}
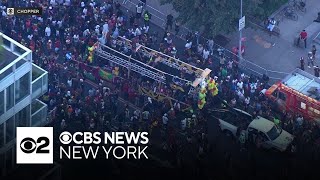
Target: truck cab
{"x":266,"y":134}
{"x":260,"y":131}
{"x":231,"y":121}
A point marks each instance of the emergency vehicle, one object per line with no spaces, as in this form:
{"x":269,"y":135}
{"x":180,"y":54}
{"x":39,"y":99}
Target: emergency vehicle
{"x":298,"y":93}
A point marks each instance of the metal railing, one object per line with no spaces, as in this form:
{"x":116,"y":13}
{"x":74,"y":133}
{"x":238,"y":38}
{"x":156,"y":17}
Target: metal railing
{"x":246,"y":65}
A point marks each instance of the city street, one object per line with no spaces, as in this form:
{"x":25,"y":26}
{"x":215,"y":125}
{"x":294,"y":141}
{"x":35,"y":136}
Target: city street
{"x":184,"y":143}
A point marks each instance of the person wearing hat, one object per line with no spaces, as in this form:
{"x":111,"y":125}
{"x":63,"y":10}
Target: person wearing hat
{"x":303,"y":36}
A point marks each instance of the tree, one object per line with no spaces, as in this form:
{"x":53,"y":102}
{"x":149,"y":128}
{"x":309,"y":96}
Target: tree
{"x":216,"y":16}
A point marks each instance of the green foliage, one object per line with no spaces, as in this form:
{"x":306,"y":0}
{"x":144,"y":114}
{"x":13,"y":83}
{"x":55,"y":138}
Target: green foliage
{"x":220,"y":16}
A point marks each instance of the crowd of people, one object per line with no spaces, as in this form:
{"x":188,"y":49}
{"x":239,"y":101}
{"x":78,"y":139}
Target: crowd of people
{"x":60,"y":39}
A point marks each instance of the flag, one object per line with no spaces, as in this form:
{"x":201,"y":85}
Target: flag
{"x":105,"y":75}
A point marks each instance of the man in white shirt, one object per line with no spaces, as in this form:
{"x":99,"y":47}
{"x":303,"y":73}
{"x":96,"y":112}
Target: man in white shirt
{"x":230,"y":63}
{"x":102,"y":40}
{"x":205,"y":54}
{"x":137,"y":32}
{"x":86,"y":32}
{"x":59,"y":23}
{"x":76,"y":38}
{"x":139,"y":9}
{"x":183,"y":124}
{"x":210,"y":44}
{"x":69,"y":82}
{"x":84,"y":11}
{"x":105,"y":28}
{"x":253,"y":87}
{"x":188,"y":45}
{"x":54,"y":22}
{"x":299,"y":121}
{"x":240,"y":95}
{"x":30,"y":36}
{"x":165,"y":120}
{"x":47,"y":31}
{"x":240,"y":84}
{"x":97,"y":29}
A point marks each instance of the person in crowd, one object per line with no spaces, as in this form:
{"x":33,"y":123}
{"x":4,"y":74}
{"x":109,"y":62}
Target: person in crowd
{"x":146,"y":17}
{"x":169,"y":22}
{"x":310,"y":60}
{"x":183,"y":124}
{"x":302,"y":63}
{"x":317,"y":72}
{"x":139,"y":9}
{"x":165,"y":120}
{"x":271,"y":24}
{"x":177,"y":27}
{"x":314,"y":50}
{"x":303,"y":37}
{"x":242,"y":140}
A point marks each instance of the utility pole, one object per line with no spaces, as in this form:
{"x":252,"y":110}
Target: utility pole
{"x":240,"y":32}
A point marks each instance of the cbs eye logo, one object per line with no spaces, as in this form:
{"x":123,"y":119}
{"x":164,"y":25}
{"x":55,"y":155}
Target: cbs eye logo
{"x":29,"y":145}
{"x":34,"y":145}
{"x":65,"y":137}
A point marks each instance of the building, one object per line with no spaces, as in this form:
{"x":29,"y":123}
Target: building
{"x":21,"y":84}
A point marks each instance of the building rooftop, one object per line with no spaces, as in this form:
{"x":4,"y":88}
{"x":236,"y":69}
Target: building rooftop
{"x":6,"y":57}
{"x":302,"y":82}
{"x":12,"y":53}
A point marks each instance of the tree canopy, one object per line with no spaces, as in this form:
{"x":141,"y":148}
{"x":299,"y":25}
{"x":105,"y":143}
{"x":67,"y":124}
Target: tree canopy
{"x":219,"y":16}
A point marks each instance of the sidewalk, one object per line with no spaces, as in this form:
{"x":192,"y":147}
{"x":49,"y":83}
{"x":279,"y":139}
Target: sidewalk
{"x":282,"y":58}
{"x":159,"y":12}
{"x":279,"y":53}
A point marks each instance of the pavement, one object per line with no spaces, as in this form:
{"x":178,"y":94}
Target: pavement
{"x":279,"y":53}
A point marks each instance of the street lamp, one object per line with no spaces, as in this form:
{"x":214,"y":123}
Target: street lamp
{"x":241,"y":26}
